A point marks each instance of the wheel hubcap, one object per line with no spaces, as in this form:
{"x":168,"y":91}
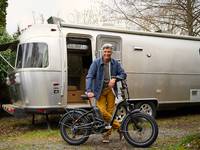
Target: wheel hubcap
{"x":121,"y":113}
{"x":146,"y":108}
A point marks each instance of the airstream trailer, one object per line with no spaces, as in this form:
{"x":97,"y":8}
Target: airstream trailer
{"x":53,"y":59}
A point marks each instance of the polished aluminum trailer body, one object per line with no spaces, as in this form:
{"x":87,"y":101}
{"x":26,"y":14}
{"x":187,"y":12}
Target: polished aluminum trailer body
{"x":159,"y":66}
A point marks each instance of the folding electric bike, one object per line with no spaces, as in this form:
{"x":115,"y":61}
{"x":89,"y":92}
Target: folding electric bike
{"x":138,"y":129}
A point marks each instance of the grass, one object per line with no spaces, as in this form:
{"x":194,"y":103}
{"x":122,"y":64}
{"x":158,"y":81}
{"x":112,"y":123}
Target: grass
{"x":190,"y":142}
{"x":35,"y":139}
{"x":20,"y":134}
{"x":40,"y":134}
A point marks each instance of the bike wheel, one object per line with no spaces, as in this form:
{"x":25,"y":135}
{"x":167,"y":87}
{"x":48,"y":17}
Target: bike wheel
{"x":70,"y":128}
{"x":140,"y":130}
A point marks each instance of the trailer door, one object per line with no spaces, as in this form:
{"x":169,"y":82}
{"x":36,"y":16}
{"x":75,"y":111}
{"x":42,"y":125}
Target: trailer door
{"x":114,"y":40}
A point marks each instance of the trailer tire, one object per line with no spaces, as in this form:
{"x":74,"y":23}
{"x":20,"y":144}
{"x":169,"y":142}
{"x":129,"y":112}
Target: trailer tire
{"x":147,"y":108}
{"x":121,"y":113}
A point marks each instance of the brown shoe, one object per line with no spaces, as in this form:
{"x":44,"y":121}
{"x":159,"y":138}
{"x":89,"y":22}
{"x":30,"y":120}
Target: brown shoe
{"x":105,"y":138}
{"x":121,"y":136}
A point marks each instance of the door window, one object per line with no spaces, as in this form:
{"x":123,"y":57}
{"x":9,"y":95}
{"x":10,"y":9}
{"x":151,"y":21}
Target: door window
{"x":114,"y":40}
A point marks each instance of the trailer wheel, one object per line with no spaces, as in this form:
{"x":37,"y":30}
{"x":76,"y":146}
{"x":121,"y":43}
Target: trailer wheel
{"x":147,"y":108}
{"x":121,"y":113}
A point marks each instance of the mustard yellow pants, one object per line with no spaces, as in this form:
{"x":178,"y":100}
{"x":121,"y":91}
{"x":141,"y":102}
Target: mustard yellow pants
{"x":106,"y":105}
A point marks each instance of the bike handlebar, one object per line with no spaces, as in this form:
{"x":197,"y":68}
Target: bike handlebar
{"x":84,"y":97}
{"x":118,"y":78}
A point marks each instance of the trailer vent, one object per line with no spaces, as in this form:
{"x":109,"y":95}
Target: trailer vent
{"x":194,"y":94}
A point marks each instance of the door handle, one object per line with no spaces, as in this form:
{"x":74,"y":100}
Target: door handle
{"x":138,"y":48}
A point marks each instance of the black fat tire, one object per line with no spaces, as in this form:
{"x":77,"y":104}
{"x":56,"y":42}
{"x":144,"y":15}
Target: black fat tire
{"x":148,"y":105}
{"x":153,"y":124}
{"x":68,"y":119}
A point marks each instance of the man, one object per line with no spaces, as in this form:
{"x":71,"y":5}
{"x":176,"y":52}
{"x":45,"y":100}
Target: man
{"x":100,"y":81}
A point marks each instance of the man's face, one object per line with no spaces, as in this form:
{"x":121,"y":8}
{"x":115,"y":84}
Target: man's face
{"x":107,"y":52}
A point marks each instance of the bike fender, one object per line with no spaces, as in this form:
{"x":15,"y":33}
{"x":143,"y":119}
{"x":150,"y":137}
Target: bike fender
{"x":132,"y":112}
{"x":67,"y":114}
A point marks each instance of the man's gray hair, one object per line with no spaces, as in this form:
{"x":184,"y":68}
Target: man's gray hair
{"x":107,"y":45}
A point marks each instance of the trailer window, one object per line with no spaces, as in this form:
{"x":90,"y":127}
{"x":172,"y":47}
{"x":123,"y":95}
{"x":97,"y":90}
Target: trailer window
{"x":32,"y":55}
{"x":19,"y":57}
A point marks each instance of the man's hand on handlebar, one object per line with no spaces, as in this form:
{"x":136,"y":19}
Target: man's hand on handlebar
{"x":90,"y":95}
{"x":111,"y":83}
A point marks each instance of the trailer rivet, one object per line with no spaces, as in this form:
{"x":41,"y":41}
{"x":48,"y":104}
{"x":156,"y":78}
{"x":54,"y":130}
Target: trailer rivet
{"x":148,"y":55}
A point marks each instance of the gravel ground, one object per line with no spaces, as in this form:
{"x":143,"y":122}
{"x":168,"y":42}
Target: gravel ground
{"x":21,"y":134}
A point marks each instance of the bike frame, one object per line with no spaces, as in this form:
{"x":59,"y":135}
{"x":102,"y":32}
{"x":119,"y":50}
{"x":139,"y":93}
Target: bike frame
{"x":84,"y":114}
{"x":129,"y":107}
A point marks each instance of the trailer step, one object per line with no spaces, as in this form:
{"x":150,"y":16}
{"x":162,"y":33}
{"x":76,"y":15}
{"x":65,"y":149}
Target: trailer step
{"x":9,"y":108}
{"x":14,"y":110}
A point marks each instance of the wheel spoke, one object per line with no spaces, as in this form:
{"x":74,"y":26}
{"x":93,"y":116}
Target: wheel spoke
{"x":66,"y":124}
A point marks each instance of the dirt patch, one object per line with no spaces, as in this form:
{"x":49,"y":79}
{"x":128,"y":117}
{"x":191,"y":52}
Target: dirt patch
{"x":21,"y":134}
